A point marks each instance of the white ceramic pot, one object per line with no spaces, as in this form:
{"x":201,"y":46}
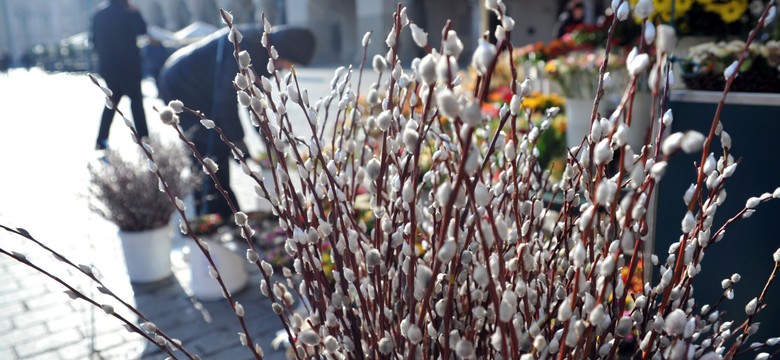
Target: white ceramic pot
{"x":577,"y":120}
{"x":640,"y":120}
{"x":147,"y":254}
{"x":229,"y":263}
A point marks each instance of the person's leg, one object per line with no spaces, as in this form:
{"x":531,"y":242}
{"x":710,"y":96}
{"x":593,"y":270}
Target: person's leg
{"x":108,"y":114}
{"x":215,"y":201}
{"x":137,"y":107}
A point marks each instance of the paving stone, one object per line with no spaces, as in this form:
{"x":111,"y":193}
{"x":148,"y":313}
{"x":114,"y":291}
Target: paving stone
{"x":62,"y":312}
{"x":186,"y":332}
{"x":105,"y":341}
{"x":75,"y":351}
{"x":5,"y":325}
{"x":218,"y":340}
{"x":125,"y":351}
{"x":21,"y":294}
{"x":7,"y":353}
{"x":20,"y":335}
{"x":8,"y":286}
{"x":234,"y":353}
{"x":43,"y":356}
{"x":47,"y":300}
{"x":48,"y":342}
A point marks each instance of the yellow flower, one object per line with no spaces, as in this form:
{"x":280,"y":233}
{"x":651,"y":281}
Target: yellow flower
{"x":531,"y":102}
{"x":550,"y":67}
{"x":559,"y":123}
{"x":729,"y":11}
{"x":663,"y":8}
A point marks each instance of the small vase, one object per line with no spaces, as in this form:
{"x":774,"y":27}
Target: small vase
{"x":147,"y":254}
{"x":230,"y":266}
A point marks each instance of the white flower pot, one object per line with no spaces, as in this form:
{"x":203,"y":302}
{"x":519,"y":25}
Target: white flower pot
{"x":640,"y":120}
{"x":230,"y":265}
{"x":577,"y":120}
{"x":147,"y":254}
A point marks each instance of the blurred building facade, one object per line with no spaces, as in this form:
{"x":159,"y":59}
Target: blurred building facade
{"x":27,"y":23}
{"x":339,"y":25}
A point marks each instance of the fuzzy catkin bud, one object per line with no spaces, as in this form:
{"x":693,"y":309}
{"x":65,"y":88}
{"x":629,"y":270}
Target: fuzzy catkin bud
{"x":208,"y":124}
{"x":514,"y":105}
{"x":471,"y":113}
{"x":235,"y":36}
{"x":209,"y":165}
{"x":168,"y":116}
{"x":309,"y":337}
{"x":419,"y":36}
{"x":384,"y":120}
{"x":244,"y":59}
{"x":414,"y":334}
{"x":639,"y":63}
{"x":252,"y":256}
{"x":385,"y":345}
{"x":372,"y":168}
{"x":464,"y":349}
{"x":751,"y":307}
{"x":379,"y":63}
{"x":692,"y":142}
{"x":427,"y":69}
{"x":108,"y":309}
{"x":448,"y":104}
{"x":241,"y":218}
{"x":622,"y":11}
{"x":674,"y":324}
{"x":688,"y":222}
{"x":243,"y":98}
{"x":483,"y":56}
{"x":730,"y":70}
{"x":373,"y":258}
{"x":643,"y":9}
{"x":649,"y":33}
{"x":447,"y":251}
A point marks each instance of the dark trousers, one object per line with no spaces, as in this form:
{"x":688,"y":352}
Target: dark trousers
{"x":123,"y":87}
{"x":208,"y":200}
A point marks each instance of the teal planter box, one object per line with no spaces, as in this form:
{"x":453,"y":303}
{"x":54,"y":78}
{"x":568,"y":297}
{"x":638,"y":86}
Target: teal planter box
{"x":753,"y":121}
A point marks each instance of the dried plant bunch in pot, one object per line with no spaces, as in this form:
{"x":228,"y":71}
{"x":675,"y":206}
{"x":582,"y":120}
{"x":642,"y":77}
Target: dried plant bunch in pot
{"x":125,"y":191}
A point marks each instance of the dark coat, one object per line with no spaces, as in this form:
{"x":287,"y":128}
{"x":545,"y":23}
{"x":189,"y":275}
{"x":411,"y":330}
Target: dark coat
{"x":114,"y":31}
{"x":202,"y":79}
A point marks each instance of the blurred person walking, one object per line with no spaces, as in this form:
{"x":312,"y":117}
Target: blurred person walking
{"x":201,"y":76}
{"x":571,"y":18}
{"x":115,"y":26}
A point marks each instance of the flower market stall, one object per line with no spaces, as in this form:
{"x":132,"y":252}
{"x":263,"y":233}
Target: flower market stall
{"x":566,"y":71}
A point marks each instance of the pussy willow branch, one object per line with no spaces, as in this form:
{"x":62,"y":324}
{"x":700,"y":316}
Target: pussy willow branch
{"x":751,"y":318}
{"x":190,"y":233}
{"x":103,"y":288}
{"x":73,"y":291}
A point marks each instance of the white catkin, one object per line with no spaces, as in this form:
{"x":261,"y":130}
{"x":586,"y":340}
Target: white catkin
{"x":419,"y":36}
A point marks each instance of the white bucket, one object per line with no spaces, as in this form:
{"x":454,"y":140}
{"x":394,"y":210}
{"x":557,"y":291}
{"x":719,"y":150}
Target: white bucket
{"x":229,"y":264}
{"x":147,"y":254}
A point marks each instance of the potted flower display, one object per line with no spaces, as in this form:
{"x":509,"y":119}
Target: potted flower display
{"x":124,"y":191}
{"x":706,"y":64}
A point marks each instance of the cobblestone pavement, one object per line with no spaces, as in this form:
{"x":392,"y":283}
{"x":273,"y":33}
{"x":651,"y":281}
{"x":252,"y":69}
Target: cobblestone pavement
{"x":48,"y":123}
